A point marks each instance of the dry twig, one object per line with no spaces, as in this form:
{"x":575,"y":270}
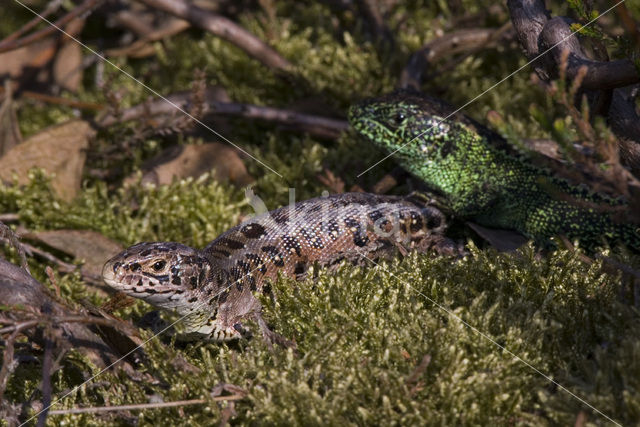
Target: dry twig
{"x":224,"y":28}
{"x":369,"y":8}
{"x":51,"y":8}
{"x":143,"y":406}
{"x":465,"y":41}
{"x":314,"y":125}
{"x":57,"y":100}
{"x":629,"y":23}
{"x":10,"y":44}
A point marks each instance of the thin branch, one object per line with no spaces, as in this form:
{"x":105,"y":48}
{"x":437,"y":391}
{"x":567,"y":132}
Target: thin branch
{"x":599,"y":74}
{"x":224,"y":28}
{"x":9,"y":217}
{"x":55,"y":320}
{"x":461,"y":41}
{"x":83,"y":9}
{"x":64,"y":267}
{"x":51,"y":7}
{"x":8,"y":364}
{"x":47,"y":367}
{"x":537,"y":31}
{"x":370,"y":9}
{"x":314,"y":125}
{"x":146,"y":405}
{"x":629,"y":24}
{"x":57,"y":100}
{"x":134,"y":21}
{"x":174,"y":26}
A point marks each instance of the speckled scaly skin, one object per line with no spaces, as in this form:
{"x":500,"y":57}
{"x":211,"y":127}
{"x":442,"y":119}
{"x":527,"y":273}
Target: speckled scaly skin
{"x":468,"y":165}
{"x":214,"y":287}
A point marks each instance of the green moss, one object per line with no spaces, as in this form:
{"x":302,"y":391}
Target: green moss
{"x":362,"y":332}
{"x":190,"y":211}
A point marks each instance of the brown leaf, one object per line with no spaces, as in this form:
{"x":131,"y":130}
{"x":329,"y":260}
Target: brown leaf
{"x":67,"y":66}
{"x":184,"y":161}
{"x":502,"y":240}
{"x":16,"y":63}
{"x":59,"y":150}
{"x":29,"y":62}
{"x":89,"y":246}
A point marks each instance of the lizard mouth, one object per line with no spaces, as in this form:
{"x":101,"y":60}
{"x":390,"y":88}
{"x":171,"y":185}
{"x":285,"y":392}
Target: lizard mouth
{"x":109,"y":274}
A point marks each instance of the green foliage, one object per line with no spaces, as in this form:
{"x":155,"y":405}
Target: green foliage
{"x":190,"y":211}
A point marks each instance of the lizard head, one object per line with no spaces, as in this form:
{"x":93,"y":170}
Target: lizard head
{"x":164,"y":274}
{"x":394,"y":120}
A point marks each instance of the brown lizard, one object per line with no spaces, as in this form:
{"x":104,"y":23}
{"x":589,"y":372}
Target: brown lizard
{"x":213,"y":288}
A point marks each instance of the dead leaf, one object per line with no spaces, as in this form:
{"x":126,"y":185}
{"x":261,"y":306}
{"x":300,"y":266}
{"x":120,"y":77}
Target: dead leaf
{"x":184,"y":161}
{"x":502,"y":240}
{"x":91,"y":247}
{"x":29,"y":62}
{"x":59,"y":150}
{"x":67,"y":66}
{"x":16,"y":63}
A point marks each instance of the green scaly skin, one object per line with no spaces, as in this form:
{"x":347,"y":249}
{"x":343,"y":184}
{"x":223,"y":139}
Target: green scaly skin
{"x":470,"y":167}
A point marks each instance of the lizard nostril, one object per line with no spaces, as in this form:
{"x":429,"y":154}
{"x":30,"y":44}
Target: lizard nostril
{"x":135,"y":267}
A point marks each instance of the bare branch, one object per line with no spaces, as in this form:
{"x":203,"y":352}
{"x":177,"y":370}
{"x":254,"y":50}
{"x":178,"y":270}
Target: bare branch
{"x":57,"y":100}
{"x":64,"y":267}
{"x":369,"y":9}
{"x":528,"y":17}
{"x":224,"y":28}
{"x":83,"y":9}
{"x":629,"y":23}
{"x":147,"y":405}
{"x":8,"y":364}
{"x":599,"y":74}
{"x":314,"y":125}
{"x":9,"y":217}
{"x":56,"y":320}
{"x":137,"y":48}
{"x":413,"y":379}
{"x":47,"y":367}
{"x":460,"y":41}
{"x":51,"y":7}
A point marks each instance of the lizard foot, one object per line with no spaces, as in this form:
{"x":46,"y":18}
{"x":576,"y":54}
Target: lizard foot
{"x":272,"y":337}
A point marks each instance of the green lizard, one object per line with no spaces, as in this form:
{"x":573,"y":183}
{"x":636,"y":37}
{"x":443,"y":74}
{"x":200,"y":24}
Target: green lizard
{"x":470,"y":167}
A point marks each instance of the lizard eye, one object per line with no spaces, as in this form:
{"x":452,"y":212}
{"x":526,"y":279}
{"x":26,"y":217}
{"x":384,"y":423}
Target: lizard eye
{"x":159,"y":265}
{"x":399,"y":118}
